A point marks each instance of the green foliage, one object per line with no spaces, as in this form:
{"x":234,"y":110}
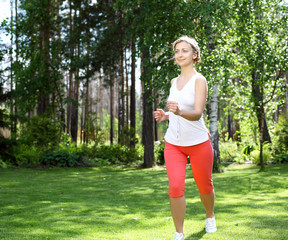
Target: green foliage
{"x":2,"y":163}
{"x":117,"y":154}
{"x":227,"y":151}
{"x":280,"y":143}
{"x":6,"y":149}
{"x":5,"y":144}
{"x":38,"y":137}
{"x":159,"y":153}
{"x":27,"y":155}
{"x":247,"y":149}
{"x":244,"y":155}
{"x":61,"y":159}
{"x":255,"y":154}
{"x":41,"y":132}
{"x":249,"y":129}
{"x":281,"y":158}
{"x":126,"y":136}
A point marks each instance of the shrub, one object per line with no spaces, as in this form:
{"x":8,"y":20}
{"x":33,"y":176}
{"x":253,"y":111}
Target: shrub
{"x":6,"y":150}
{"x":241,"y":158}
{"x":117,"y":154}
{"x":280,"y":143}
{"x":281,"y":158}
{"x":247,"y":149}
{"x":42,"y":132}
{"x":61,"y":159}
{"x":125,"y":136}
{"x":2,"y":163}
{"x":228,"y":151}
{"x":159,"y":152}
{"x":27,"y":156}
{"x":255,"y":155}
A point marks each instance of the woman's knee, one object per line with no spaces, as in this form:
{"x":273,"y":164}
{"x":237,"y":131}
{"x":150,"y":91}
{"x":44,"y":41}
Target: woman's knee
{"x":205,"y":187}
{"x":176,"y":189}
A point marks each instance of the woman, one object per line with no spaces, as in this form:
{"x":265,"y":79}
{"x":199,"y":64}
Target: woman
{"x":187,"y":136}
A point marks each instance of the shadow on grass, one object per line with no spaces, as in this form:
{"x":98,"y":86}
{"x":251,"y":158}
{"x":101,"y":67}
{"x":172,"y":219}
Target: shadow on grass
{"x":196,"y":236}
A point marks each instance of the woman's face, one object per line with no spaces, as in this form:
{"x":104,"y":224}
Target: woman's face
{"x":184,"y":54}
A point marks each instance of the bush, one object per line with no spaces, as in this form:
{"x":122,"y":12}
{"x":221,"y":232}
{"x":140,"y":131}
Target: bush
{"x":247,"y":149}
{"x":42,"y":132}
{"x":245,"y":154}
{"x":2,"y":164}
{"x":241,"y":158}
{"x":280,"y":143}
{"x":117,"y":154}
{"x":27,"y":156}
{"x":61,"y":159}
{"x":281,"y":158}
{"x":6,"y":150}
{"x":255,"y":155}
{"x":228,"y":151}
{"x":159,"y":152}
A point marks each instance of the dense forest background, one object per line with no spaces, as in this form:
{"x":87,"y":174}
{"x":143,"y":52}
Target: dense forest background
{"x":69,"y":72}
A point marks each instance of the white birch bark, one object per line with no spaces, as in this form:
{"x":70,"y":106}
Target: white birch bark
{"x":214,"y":125}
{"x":286,"y":103}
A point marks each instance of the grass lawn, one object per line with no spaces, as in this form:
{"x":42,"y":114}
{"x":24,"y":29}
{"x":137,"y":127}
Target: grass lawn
{"x":117,"y":203}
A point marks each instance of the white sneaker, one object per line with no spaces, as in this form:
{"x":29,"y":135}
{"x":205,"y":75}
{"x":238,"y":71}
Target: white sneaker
{"x":178,"y":236}
{"x":210,"y":225}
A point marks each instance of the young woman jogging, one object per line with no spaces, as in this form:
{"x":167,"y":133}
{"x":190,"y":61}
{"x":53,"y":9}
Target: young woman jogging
{"x":187,"y":136}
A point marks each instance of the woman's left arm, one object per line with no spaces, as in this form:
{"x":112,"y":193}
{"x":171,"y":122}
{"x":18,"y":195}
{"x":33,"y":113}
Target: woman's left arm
{"x":201,"y":90}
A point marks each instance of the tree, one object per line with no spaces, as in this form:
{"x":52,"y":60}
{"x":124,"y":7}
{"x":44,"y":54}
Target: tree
{"x":262,"y":41}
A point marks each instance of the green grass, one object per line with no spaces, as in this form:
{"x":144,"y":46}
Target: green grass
{"x":116,"y":203}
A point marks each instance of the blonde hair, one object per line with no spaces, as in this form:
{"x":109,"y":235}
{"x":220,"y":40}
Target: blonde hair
{"x":193,"y":44}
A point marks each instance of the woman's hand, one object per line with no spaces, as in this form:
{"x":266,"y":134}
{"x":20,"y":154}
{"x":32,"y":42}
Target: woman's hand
{"x":173,"y":107}
{"x":159,"y":115}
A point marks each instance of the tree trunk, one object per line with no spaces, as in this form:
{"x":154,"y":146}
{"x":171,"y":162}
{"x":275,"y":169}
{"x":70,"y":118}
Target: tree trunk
{"x":229,"y":127}
{"x":70,"y":88}
{"x":126,"y":92}
{"x":155,"y":123}
{"x":13,"y":133}
{"x":86,"y":116}
{"x":286,"y":103}
{"x":17,"y":59}
{"x":214,"y":113}
{"x":82,"y":124}
{"x":101,"y":99}
{"x":74,"y":109}
{"x":43,"y":99}
{"x":133,"y":94}
{"x":148,"y":140}
{"x":262,"y":137}
{"x":237,"y":135}
{"x":112,"y":108}
{"x":121,"y":110}
{"x":258,"y":99}
{"x":213,"y":117}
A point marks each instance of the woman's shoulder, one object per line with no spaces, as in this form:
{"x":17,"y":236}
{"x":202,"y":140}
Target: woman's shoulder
{"x":172,"y":81}
{"x":200,"y":78}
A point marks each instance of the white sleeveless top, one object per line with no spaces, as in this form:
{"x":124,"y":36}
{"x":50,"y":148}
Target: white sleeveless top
{"x":183,"y":132}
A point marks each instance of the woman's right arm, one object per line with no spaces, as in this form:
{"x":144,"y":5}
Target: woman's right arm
{"x":160,"y":115}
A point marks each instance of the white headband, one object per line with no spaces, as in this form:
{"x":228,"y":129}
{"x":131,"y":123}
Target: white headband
{"x":192,"y":41}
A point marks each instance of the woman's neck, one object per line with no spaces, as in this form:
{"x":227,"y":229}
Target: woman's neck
{"x":188,"y":71}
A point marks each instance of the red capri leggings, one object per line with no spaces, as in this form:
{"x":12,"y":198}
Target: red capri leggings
{"x":201,"y":159}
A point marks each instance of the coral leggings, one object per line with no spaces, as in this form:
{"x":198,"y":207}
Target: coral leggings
{"x":201,"y":159}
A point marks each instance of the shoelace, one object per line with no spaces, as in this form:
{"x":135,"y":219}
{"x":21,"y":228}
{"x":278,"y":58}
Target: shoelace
{"x":178,"y":236}
{"x":210,"y":223}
